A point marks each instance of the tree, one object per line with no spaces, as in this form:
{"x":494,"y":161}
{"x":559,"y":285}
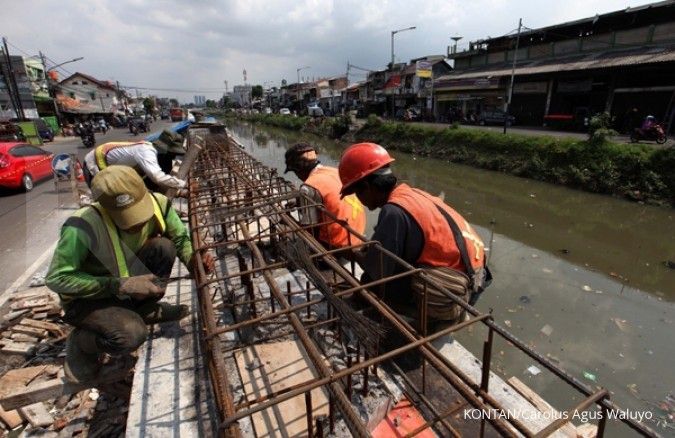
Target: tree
{"x":149,"y":105}
{"x":174,"y":103}
{"x":210,"y":103}
{"x":257,"y":91}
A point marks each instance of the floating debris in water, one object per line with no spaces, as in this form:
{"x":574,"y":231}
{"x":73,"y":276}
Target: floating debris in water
{"x":507,"y":323}
{"x":524,"y":299}
{"x":669,"y":264}
{"x":547,"y":271}
{"x":565,"y":251}
{"x":586,"y":288}
{"x":622,"y":324}
{"x":546,"y":330}
{"x":590,"y":376}
{"x":533,"y":370}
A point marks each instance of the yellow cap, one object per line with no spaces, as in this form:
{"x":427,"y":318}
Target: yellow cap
{"x":121,"y":191}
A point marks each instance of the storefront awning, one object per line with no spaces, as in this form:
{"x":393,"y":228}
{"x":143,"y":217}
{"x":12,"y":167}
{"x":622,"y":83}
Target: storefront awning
{"x":584,"y":62}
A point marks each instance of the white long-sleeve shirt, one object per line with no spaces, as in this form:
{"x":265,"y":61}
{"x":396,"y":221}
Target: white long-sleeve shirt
{"x":141,"y":156}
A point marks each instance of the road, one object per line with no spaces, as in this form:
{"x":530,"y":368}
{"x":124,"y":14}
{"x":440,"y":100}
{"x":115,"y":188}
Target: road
{"x":30,"y":222}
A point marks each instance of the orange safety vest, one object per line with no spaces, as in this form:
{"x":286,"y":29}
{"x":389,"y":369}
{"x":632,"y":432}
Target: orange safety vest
{"x":102,"y":151}
{"x":326,"y":181}
{"x":439,"y":243}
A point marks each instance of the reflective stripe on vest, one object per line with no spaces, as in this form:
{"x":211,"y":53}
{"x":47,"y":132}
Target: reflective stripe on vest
{"x":102,"y":151}
{"x":114,"y":237}
{"x":326,"y":181}
{"x":439,"y":243}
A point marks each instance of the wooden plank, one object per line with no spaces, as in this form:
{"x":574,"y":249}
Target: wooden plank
{"x":14,"y":315}
{"x":30,"y":331}
{"x":54,"y":388}
{"x":31,"y":293}
{"x":568,"y":429}
{"x":20,"y":337}
{"x":41,"y":315}
{"x":45,"y":325}
{"x":25,"y":304}
{"x":36,"y":414}
{"x":587,"y":430}
{"x":11,"y":418}
{"x":503,"y":393}
{"x":269,"y":368}
{"x":10,"y":346}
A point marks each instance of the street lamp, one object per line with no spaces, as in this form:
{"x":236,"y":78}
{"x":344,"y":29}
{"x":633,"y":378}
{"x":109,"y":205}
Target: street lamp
{"x":298,"y":87}
{"x":64,"y":63}
{"x":394,"y":32}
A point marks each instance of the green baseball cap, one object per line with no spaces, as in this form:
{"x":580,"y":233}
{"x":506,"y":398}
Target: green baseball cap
{"x":169,"y":141}
{"x":121,"y":191}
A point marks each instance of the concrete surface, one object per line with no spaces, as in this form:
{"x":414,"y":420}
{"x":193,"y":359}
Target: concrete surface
{"x":170,"y":396}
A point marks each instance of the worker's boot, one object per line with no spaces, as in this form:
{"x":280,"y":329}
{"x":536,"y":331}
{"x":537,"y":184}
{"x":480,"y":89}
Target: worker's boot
{"x":165,"y":312}
{"x":82,"y":353}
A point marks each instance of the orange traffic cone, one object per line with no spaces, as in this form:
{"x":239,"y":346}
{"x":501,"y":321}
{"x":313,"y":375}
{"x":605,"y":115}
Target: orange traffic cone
{"x":79,"y":173}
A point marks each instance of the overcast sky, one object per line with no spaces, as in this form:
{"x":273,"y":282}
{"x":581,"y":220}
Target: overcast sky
{"x":195,"y":45}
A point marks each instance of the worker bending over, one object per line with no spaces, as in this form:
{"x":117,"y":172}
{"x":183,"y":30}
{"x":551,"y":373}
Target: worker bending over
{"x":420,"y":229}
{"x":322,"y":185}
{"x":110,"y":269}
{"x":154,"y":160}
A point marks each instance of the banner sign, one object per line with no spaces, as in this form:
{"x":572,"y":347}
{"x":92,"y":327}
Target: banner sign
{"x":423,"y":69}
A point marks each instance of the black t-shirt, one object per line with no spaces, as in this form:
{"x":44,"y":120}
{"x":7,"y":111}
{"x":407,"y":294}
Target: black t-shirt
{"x":399,"y":233}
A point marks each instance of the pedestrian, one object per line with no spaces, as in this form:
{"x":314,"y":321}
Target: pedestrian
{"x":143,"y":156}
{"x":322,"y":185}
{"x":108,"y":269}
{"x":420,"y":229}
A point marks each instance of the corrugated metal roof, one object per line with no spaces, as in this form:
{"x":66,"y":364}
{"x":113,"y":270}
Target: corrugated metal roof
{"x":583,"y":62}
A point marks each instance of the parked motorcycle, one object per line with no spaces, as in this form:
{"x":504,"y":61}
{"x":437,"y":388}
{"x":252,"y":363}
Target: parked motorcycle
{"x":655,"y":133}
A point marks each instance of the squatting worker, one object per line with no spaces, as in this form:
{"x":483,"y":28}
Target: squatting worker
{"x":109,"y":265}
{"x":420,"y":229}
{"x":322,"y":185}
{"x":147,"y":158}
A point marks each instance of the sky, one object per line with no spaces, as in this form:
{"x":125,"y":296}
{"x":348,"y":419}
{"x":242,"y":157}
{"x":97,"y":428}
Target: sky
{"x":182,"y":48}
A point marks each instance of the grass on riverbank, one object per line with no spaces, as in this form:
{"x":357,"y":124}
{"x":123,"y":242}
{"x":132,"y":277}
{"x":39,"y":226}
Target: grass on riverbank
{"x":637,"y":172}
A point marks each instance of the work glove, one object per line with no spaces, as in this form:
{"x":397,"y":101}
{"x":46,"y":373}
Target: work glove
{"x":140,"y":287}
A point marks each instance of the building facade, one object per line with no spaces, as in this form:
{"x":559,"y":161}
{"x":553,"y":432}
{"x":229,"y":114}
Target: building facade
{"x":84,"y":94}
{"x":564,"y":74}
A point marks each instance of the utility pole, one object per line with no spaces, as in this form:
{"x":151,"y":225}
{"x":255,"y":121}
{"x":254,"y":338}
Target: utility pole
{"x":513,"y":74}
{"x":12,"y":86}
{"x":50,"y":88}
{"x":394,"y":32}
{"x":5,"y":76}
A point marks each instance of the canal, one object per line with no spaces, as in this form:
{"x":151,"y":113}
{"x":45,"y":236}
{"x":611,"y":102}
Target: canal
{"x":582,"y":278}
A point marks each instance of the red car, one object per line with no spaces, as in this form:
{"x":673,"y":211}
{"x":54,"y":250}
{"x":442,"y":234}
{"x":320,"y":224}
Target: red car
{"x":21,"y":165}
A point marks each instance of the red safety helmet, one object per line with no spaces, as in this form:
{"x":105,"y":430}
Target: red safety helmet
{"x":359,"y":161}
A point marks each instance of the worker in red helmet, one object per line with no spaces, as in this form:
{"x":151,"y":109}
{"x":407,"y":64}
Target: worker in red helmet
{"x":322,"y":185}
{"x":420,"y":229}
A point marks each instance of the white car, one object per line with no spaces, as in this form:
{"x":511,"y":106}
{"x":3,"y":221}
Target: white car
{"x":285,"y":112}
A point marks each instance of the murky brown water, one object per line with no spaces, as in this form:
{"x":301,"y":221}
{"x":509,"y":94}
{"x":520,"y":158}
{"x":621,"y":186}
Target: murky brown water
{"x":589,"y":269}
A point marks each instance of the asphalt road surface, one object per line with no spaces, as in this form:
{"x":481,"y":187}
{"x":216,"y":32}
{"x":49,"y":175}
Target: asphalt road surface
{"x":30,"y":222}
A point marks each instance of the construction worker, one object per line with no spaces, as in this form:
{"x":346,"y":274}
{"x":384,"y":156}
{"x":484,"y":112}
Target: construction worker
{"x":110,"y":269}
{"x":322,"y":185}
{"x":143,"y":156}
{"x":420,"y":229}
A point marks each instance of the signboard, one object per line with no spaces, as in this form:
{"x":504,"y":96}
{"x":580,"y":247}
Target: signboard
{"x":575,"y":86}
{"x":530,"y":88}
{"x":423,"y":69}
{"x":61,"y":164}
{"x":468,"y":84}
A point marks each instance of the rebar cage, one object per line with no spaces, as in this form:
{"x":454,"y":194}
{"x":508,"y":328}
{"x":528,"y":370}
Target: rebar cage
{"x":245,"y":214}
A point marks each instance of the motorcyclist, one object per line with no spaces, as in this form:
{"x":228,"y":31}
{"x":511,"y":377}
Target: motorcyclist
{"x":647,"y":125}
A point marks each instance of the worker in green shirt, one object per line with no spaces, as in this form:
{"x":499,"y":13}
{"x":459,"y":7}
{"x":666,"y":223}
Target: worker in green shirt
{"x":109,"y":265}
